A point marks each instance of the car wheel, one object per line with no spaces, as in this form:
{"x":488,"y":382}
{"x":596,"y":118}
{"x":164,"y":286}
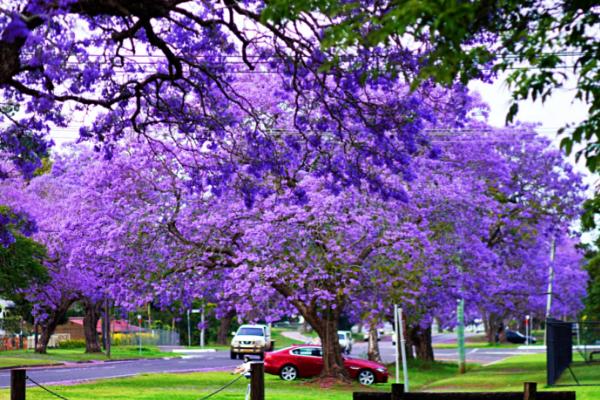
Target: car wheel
{"x":232,"y":355}
{"x":288,"y":373}
{"x":366,"y":377}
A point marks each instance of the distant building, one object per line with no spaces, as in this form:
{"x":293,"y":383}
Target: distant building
{"x":5,"y":307}
{"x":74,"y":327}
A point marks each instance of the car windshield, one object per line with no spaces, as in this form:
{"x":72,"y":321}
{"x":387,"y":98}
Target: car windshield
{"x":251,"y":332}
{"x":341,"y":336}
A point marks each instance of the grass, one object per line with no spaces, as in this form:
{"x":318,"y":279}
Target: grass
{"x":510,"y":374}
{"x":6,"y":362}
{"x":54,"y":356}
{"x":195,"y":385}
{"x":507,"y":375}
{"x":280,"y":340}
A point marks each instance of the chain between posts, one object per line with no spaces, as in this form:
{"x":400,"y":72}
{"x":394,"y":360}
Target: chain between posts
{"x":222,"y":388}
{"x":46,"y":389}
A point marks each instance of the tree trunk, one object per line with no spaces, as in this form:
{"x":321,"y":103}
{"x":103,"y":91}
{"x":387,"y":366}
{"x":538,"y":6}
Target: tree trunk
{"x":326,"y":327}
{"x":373,"y":349}
{"x":421,"y":339}
{"x":494,"y":328}
{"x":90,"y":324}
{"x":49,"y":325}
{"x":224,"y":327}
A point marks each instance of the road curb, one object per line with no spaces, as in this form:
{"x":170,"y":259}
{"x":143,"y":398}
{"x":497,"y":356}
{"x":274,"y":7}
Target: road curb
{"x":82,"y":363}
{"x":32,"y":366}
{"x":193,"y":351}
{"x":90,"y":380}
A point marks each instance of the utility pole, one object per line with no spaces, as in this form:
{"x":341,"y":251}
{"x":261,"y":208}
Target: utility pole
{"x":397,"y":347}
{"x":550,"y":280}
{"x":203,"y":329}
{"x":403,"y":349}
{"x":460,"y":335}
{"x":189,"y":329}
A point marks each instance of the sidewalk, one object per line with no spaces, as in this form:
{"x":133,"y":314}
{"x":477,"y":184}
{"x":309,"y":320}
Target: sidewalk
{"x":297,"y":336}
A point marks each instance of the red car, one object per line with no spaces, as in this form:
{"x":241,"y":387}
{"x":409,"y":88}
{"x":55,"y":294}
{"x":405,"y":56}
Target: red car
{"x":303,"y":361}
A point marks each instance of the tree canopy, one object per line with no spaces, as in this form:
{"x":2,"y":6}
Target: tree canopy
{"x":319,"y":158}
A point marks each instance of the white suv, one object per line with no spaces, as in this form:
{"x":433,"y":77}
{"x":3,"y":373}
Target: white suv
{"x":345,"y":339}
{"x":251,"y":339}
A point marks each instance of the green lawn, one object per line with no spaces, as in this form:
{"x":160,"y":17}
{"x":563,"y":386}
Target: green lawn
{"x":508,"y":375}
{"x":280,"y":340}
{"x":28,"y":357}
{"x":195,"y":385}
{"x":6,"y":361}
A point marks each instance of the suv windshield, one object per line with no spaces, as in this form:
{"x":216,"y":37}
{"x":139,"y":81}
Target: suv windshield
{"x":341,"y":336}
{"x":251,"y":332}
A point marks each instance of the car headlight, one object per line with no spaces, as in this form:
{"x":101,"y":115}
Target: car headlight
{"x":260,"y":342}
{"x":381,"y":369}
{"x":235,"y":342}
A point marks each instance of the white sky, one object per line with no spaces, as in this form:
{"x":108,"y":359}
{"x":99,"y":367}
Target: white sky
{"x":557,"y":111}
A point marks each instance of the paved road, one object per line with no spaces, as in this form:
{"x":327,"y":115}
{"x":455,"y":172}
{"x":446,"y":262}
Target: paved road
{"x":91,"y":371}
{"x":217,"y":361}
{"x":484,"y":356}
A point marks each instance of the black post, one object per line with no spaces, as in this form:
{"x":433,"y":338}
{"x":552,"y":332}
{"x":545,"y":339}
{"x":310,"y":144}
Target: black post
{"x":35,"y":337}
{"x":397,"y":391}
{"x":17,"y":384}
{"x":529,"y":391}
{"x":257,"y":381}
{"x":107,"y":328}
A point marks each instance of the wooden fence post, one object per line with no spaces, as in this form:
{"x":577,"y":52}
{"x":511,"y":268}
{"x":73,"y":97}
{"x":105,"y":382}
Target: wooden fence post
{"x":397,"y":391}
{"x":530,"y":390}
{"x":257,"y":381}
{"x":17,"y":384}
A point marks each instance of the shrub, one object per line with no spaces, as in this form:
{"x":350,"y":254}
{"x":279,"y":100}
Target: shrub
{"x":72,"y":344}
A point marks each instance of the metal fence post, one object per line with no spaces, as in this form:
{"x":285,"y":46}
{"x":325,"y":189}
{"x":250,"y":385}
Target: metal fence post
{"x":530,"y":390}
{"x":397,"y":391}
{"x":257,"y":381}
{"x":17,"y":384}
